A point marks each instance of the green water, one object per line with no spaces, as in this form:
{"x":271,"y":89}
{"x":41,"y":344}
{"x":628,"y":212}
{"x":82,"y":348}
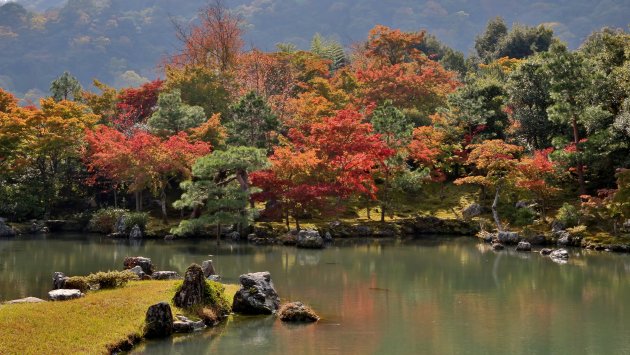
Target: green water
{"x":450,"y":296}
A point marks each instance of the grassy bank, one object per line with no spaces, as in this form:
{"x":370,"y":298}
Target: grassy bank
{"x":90,"y":325}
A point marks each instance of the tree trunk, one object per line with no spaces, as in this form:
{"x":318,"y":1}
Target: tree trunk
{"x":138,"y":195}
{"x":163,"y":205}
{"x":495,"y":213}
{"x":580,"y":167}
{"x":286,"y":214}
{"x":218,"y":233}
{"x":297,"y":222}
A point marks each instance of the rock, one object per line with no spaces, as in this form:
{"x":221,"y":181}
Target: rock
{"x":120,"y":227}
{"x":138,"y":271}
{"x":59,"y":280}
{"x":64,"y":294}
{"x":473,"y":210}
{"x":185,"y":325}
{"x":169,"y":237}
{"x":564,"y":239}
{"x":508,"y":237}
{"x":309,"y":238}
{"x":136,"y":232}
{"x":166,"y":275}
{"x":626,"y":226}
{"x":159,"y":321}
{"x":191,"y":292}
{"x":437,"y":226}
{"x":5,"y":230}
{"x":256,"y":295}
{"x":545,"y":251}
{"x":144,"y":263}
{"x":26,"y":300}
{"x":328,"y":237}
{"x":557,"y":226}
{"x":362,"y":231}
{"x":38,"y":227}
{"x":560,"y":254}
{"x":497,"y":246}
{"x":208,"y":268}
{"x":297,"y":312}
{"x":234,"y":236}
{"x":524,"y":246}
{"x":215,"y":278}
{"x":251,"y":236}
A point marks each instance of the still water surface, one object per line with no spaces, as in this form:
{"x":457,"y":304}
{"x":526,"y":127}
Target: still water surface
{"x":449,"y":296}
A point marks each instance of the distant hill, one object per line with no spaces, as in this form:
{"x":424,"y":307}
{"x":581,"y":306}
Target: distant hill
{"x":121,"y":41}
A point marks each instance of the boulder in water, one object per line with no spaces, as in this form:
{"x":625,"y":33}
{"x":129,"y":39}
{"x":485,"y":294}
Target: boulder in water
{"x":560,"y":254}
{"x":257,"y":294}
{"x":309,"y":238}
{"x":144,"y":263}
{"x":508,"y":237}
{"x":546,"y":251}
{"x":497,"y":246}
{"x":158,"y":321}
{"x":208,"y":268}
{"x":297,"y":312}
{"x":524,"y":246}
{"x":59,"y":280}
{"x":135,"y":232}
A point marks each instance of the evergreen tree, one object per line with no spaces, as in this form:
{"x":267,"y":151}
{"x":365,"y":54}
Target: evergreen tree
{"x":173,"y":116}
{"x":65,"y":87}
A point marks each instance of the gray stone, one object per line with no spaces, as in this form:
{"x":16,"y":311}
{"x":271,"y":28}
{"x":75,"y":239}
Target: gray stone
{"x":362,"y":231}
{"x":560,"y":254}
{"x":5,"y":230}
{"x":215,"y":278}
{"x":328,"y":237}
{"x":144,"y":263}
{"x":297,"y":312}
{"x":497,"y":246}
{"x":59,"y":280}
{"x":185,"y":325}
{"x":26,"y":300}
{"x":256,"y":295}
{"x":546,"y":251}
{"x":557,"y":226}
{"x":192,"y":290}
{"x":159,"y":321}
{"x":138,"y":271}
{"x":626,"y":226}
{"x":64,"y":295}
{"x":234,"y":236}
{"x":473,"y":210}
{"x":524,"y":246}
{"x":251,"y":236}
{"x":208,"y":268}
{"x":169,"y":237}
{"x":508,"y":237}
{"x":120,"y":227}
{"x":166,"y":275}
{"x":309,"y":238}
{"x":135,"y":232}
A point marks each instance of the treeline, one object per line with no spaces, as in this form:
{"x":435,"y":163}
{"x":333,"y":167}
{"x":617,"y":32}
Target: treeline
{"x":314,"y":133}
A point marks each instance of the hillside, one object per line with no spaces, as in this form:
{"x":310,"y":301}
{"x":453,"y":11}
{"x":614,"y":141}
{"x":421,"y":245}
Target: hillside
{"x":120,"y":42}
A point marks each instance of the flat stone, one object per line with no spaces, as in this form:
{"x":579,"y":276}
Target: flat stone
{"x":166,"y":275}
{"x":26,"y":300}
{"x":64,"y":295}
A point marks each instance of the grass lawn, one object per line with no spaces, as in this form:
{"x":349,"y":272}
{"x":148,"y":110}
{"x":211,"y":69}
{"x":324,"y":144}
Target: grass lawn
{"x":90,"y":325}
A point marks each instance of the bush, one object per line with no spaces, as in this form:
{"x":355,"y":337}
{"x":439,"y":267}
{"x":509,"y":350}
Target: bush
{"x":104,"y":220}
{"x":524,"y":216}
{"x":568,"y":215}
{"x":214,"y":296}
{"x":191,"y":228}
{"x":133,"y":218}
{"x":111,"y":279}
{"x":77,"y":283}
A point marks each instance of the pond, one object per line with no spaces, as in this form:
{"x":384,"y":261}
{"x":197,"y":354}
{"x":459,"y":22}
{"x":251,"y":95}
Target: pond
{"x":444,"y":296}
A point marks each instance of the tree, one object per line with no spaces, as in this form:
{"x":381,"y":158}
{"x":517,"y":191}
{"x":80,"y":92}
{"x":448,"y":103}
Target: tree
{"x":317,"y":168}
{"x":486,"y":44}
{"x":252,"y":123}
{"x":520,"y":42}
{"x":494,"y":163}
{"x":536,"y":175}
{"x":395,"y":130}
{"x":142,"y":160}
{"x":173,"y":116}
{"x":214,"y":42}
{"x":65,"y":87}
{"x":199,"y":86}
{"x":135,"y":105}
{"x":329,"y":49}
{"x":220,"y":190}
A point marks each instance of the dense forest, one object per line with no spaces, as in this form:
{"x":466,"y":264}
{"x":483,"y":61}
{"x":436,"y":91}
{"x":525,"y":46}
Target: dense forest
{"x":121,"y":42}
{"x":232,"y":134}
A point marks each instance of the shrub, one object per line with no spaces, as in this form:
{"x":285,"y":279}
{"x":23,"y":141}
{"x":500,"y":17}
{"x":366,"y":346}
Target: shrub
{"x":133,"y":218}
{"x":524,"y":216}
{"x":191,"y":228}
{"x":568,"y":215}
{"x":111,"y":279}
{"x":214,"y":296}
{"x":78,"y":283}
{"x":104,"y":220}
